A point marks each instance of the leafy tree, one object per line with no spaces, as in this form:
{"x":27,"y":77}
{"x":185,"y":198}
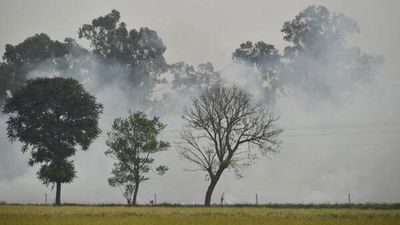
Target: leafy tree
{"x":267,"y":60}
{"x":315,"y":28}
{"x":51,"y":117}
{"x":9,"y":82}
{"x":186,"y":76}
{"x":221,"y":123}
{"x":132,"y":142}
{"x":141,"y":52}
{"x":318,"y":58}
{"x":37,"y":51}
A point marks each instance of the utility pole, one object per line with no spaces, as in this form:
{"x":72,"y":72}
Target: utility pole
{"x":155,"y":199}
{"x":45,"y":198}
{"x":348,"y":195}
{"x":256,"y":199}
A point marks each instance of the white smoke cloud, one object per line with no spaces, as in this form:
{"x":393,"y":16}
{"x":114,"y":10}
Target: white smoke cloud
{"x":314,"y":165}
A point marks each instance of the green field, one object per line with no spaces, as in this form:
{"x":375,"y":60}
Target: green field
{"x":88,"y":215}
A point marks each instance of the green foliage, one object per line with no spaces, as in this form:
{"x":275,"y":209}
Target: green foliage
{"x":186,"y":76}
{"x":316,"y":59}
{"x":63,"y":172}
{"x":137,"y":54}
{"x":172,"y":215}
{"x":259,"y":54}
{"x":131,"y":142}
{"x":34,"y":51}
{"x":267,"y":60}
{"x":51,"y":116}
{"x":316,"y":27}
{"x":140,"y":51}
{"x":162,"y":169}
{"x":9,"y":82}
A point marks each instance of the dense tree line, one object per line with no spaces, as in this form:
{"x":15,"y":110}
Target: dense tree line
{"x":54,"y":116}
{"x":316,"y":56}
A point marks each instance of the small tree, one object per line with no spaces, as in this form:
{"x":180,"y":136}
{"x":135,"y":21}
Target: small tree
{"x":219,"y":124}
{"x":131,"y":143}
{"x":51,"y":116}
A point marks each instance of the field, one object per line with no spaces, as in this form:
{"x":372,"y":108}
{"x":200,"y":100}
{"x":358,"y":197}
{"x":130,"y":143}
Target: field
{"x":88,"y":215}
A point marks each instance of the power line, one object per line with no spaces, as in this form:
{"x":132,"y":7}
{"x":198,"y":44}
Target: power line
{"x":337,"y":126}
{"x":343,"y":146}
{"x":342,"y":133}
{"x":324,"y":134}
{"x":326,"y":130}
{"x":346,"y":126}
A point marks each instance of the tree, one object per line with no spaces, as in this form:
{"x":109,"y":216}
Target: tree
{"x":316,"y":27}
{"x":267,"y":60}
{"x":317,"y":58}
{"x":51,"y":117}
{"x":36,"y":51}
{"x":220,"y":124}
{"x":132,"y":142}
{"x":186,"y":76}
{"x":140,"y":52}
{"x":8,"y":81}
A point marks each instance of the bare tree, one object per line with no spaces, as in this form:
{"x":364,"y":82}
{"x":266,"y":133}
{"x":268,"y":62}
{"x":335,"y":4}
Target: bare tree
{"x":223,"y":128}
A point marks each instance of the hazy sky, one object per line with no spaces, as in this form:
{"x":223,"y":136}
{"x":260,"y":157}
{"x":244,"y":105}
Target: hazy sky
{"x":308,"y":169}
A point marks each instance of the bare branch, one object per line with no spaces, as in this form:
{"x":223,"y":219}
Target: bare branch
{"x":219,"y":123}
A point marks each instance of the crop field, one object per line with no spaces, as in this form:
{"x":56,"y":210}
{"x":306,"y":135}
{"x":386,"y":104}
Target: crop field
{"x":88,"y":215}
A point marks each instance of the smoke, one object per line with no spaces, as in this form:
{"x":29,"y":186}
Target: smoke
{"x":340,"y":117}
{"x":340,"y":136}
{"x":245,"y":76}
{"x":11,"y":163}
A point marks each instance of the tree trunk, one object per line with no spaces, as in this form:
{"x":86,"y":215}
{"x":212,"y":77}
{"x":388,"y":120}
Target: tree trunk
{"x":209,"y":192}
{"x":58,"y":193}
{"x":213,"y":183}
{"x":135,"y":194}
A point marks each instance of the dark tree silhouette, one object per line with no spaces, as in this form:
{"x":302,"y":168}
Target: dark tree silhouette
{"x":267,"y":60}
{"x":316,"y":27}
{"x":51,"y":117}
{"x":223,"y":128}
{"x":140,"y":52}
{"x":36,"y":51}
{"x":132,"y":142}
{"x":187,"y":76}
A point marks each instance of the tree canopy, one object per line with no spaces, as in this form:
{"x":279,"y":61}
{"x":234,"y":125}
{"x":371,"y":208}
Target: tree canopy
{"x":132,"y":142}
{"x":316,"y":27}
{"x":33,"y":52}
{"x":141,"y":51}
{"x":316,"y":58}
{"x":187,"y":76}
{"x":51,"y":117}
{"x":267,"y":60}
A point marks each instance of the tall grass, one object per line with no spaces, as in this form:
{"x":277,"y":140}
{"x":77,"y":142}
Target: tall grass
{"x":117,"y":215}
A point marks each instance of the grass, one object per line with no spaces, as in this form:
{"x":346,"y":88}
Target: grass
{"x":117,"y":215}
